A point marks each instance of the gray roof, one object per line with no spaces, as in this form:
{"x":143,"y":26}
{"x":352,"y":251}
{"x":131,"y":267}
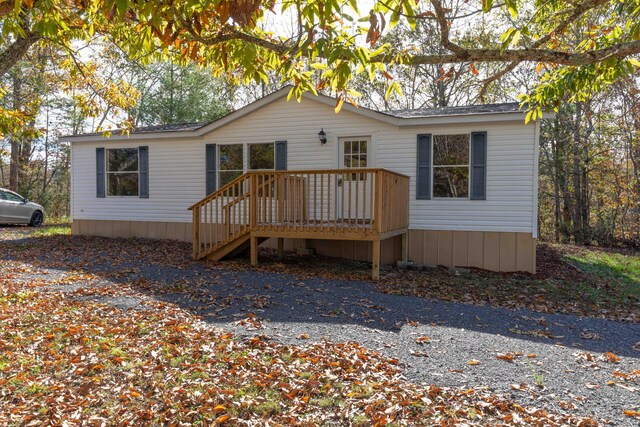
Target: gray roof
{"x":178,"y":127}
{"x":509,"y":107}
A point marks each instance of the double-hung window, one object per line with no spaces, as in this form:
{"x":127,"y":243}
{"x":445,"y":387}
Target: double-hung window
{"x":451,"y":155}
{"x":123,"y":174}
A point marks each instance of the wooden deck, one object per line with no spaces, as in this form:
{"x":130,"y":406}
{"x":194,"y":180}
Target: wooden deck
{"x":338,"y":204}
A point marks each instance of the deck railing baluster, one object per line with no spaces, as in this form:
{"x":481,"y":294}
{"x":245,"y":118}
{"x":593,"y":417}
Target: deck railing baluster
{"x":309,"y":204}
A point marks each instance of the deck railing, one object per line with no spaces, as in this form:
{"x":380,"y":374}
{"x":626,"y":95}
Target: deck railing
{"x":348,"y":204}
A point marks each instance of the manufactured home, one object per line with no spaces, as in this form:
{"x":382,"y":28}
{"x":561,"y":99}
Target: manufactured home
{"x":453,"y":186}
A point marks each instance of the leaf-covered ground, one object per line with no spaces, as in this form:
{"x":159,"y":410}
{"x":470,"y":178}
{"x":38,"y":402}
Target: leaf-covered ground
{"x":71,"y":351}
{"x":569,"y":279}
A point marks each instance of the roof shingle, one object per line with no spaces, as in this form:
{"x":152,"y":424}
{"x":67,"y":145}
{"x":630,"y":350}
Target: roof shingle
{"x":509,"y":107}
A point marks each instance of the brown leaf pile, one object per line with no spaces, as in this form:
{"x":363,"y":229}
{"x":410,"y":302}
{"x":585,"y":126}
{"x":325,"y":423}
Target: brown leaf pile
{"x":66,"y":358}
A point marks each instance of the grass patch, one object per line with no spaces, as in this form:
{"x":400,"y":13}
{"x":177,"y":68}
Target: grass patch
{"x":621,"y":270}
{"x":52,"y":230}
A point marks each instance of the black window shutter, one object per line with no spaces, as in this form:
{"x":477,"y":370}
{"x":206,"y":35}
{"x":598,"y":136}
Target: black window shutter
{"x":281,"y":155}
{"x":211,"y":166}
{"x":423,"y":175}
{"x":478,"y":166}
{"x":100,"y":175}
{"x":143,"y":160}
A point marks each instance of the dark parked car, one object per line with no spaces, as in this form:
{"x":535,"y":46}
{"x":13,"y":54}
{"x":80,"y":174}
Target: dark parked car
{"x":15,"y":209}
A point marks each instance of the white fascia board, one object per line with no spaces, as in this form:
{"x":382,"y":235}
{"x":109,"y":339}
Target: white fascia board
{"x":131,"y":137}
{"x":463,"y":118}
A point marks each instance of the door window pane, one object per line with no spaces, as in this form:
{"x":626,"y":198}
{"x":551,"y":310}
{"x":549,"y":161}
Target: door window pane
{"x":355,"y":156}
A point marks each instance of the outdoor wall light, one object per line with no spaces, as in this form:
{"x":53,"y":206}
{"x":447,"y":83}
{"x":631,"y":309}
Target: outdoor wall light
{"x":322,"y":136}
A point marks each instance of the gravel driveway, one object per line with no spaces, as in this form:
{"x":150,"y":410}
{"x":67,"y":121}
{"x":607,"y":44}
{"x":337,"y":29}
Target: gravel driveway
{"x":554,"y":361}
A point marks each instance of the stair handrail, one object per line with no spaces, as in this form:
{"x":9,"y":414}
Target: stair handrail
{"x":219,"y":191}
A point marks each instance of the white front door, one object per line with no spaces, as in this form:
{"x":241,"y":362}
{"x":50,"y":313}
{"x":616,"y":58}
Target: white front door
{"x":354,"y":201}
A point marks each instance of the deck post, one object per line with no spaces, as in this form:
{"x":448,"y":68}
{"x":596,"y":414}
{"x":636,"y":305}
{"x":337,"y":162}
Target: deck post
{"x":254,"y":250}
{"x":196,"y":232}
{"x":280,"y":247}
{"x":405,"y":247}
{"x":375,"y":260}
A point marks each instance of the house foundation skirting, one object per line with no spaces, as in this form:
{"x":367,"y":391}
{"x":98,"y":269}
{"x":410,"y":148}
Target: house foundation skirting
{"x":496,"y":251}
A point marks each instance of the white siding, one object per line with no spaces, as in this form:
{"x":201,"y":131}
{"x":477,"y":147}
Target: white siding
{"x":510,"y":179}
{"x":177,"y":178}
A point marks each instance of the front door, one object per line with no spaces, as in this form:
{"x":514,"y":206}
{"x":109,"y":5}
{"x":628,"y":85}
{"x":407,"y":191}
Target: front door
{"x":354,"y":200}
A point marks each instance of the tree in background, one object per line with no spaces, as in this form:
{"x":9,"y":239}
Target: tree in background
{"x":172,"y":94}
{"x":589,"y":169}
{"x":58,"y":98}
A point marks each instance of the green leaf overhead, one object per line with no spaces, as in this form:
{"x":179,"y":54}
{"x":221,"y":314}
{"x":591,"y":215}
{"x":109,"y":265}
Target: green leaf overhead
{"x":238,"y":38}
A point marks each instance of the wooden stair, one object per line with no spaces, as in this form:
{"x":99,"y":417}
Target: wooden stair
{"x":363,"y":204}
{"x":239,"y":245}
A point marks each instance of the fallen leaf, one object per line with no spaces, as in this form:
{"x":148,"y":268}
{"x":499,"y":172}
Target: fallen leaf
{"x":507,"y":357}
{"x":223,"y":418}
{"x":611,"y":358}
{"x":423,"y":339}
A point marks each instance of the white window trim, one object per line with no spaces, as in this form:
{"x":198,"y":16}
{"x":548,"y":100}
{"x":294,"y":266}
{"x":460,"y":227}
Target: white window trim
{"x":106,"y":171}
{"x":433,"y":168}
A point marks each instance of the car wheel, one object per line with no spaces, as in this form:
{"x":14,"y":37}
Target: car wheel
{"x":36,"y":219}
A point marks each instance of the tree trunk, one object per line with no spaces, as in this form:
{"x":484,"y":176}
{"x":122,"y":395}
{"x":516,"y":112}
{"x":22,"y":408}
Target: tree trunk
{"x":16,"y":51}
{"x":24,"y":161}
{"x":14,"y":165}
{"x":578,"y":226}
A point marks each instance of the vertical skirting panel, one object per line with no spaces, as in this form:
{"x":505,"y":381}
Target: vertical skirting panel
{"x":140,"y":229}
{"x":496,"y":251}
{"x":475,"y":249}
{"x":460,"y":248}
{"x":121,"y":229}
{"x":430,"y":248}
{"x":508,"y":252}
{"x":445,"y":248}
{"x":526,"y":252}
{"x":492,"y":251}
